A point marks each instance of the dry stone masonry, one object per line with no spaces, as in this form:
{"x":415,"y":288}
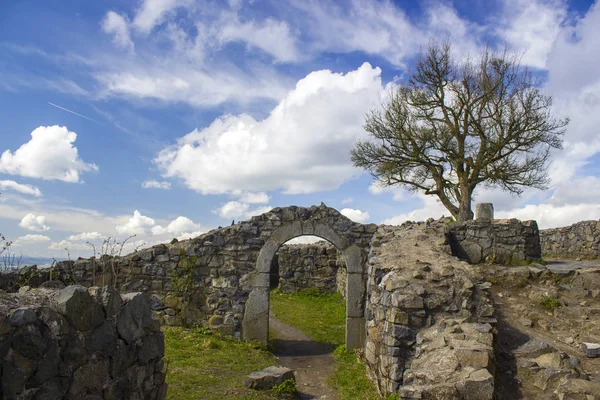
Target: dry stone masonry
{"x":580,"y":240}
{"x":309,"y":266}
{"x":416,"y":288}
{"x":77,"y":343}
{"x":502,"y":241}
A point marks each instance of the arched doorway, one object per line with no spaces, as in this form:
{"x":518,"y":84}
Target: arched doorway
{"x":255,"y":324}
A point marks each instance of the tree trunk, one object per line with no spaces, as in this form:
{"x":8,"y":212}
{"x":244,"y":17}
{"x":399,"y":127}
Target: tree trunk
{"x":464,"y":206}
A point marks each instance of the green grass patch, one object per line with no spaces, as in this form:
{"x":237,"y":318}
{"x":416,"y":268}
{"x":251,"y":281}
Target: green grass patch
{"x":320,"y":315}
{"x":201,"y":365}
{"x":350,"y":377}
{"x":549,"y":303}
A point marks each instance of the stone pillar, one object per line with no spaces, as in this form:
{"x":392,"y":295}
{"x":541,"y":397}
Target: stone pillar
{"x":484,"y":212}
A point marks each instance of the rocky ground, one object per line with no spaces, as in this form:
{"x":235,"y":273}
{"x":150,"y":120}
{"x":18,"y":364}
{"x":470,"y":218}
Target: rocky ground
{"x":546,"y":316}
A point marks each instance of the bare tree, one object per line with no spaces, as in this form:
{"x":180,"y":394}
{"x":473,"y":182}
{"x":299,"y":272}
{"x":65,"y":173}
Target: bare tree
{"x":458,"y":124}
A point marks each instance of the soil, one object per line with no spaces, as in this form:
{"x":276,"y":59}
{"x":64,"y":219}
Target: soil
{"x":312,"y":361}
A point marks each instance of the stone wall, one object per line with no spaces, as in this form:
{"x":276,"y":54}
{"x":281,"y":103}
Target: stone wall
{"x":503,"y":241}
{"x":427,"y":317}
{"x":304,"y":266}
{"x":77,"y":343}
{"x":210,"y":280}
{"x":580,"y":240}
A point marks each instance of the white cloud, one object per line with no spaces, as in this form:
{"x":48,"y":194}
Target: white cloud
{"x":117,"y":25}
{"x":70,"y":247}
{"x":431,"y":208}
{"x":551,"y":216}
{"x":301,"y":147}
{"x":19,"y":187}
{"x":356,"y":215}
{"x":34,"y":223}
{"x":154,"y":12}
{"x":258,"y":211}
{"x":254,"y":198}
{"x":307,"y":239}
{"x":137,"y":225}
{"x":152,"y":184}
{"x":232,"y":209}
{"x":27,"y":239}
{"x":178,"y":226}
{"x":86,"y":236}
{"x":347,"y":200}
{"x":398,"y":193}
{"x":49,"y":155}
{"x":531,"y":26}
{"x":271,"y":36}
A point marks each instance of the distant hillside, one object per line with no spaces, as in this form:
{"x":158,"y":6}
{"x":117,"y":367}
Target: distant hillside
{"x":27,"y":260}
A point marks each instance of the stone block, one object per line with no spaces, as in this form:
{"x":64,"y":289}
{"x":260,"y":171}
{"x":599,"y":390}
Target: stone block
{"x":591,"y":350}
{"x":355,"y":332}
{"x":80,"y":309}
{"x":268,"y":377}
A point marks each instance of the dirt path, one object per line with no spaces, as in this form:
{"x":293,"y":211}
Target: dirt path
{"x":312,"y":361}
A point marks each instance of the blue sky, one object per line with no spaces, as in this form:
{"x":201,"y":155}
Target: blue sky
{"x":166,"y":118}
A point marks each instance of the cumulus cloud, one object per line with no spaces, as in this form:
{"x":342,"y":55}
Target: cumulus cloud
{"x":86,"y":236}
{"x":254,"y":198}
{"x":237,"y":209}
{"x":117,"y":25}
{"x":347,"y":200}
{"x":232,"y":209}
{"x":27,"y":239}
{"x":138,"y":224}
{"x":152,"y":184}
{"x":301,"y":147}
{"x":356,"y":215}
{"x":69,"y":246}
{"x":34,"y":223}
{"x":19,"y":187}
{"x":49,"y":155}
{"x":176,"y":227}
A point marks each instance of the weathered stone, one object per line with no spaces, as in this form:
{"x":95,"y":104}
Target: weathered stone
{"x":80,"y":309}
{"x":268,"y":377}
{"x":22,"y":316}
{"x":484,"y":212}
{"x":591,"y":350}
{"x":109,"y":298}
{"x":135,"y":318}
{"x":533,"y":348}
{"x":478,"y":386}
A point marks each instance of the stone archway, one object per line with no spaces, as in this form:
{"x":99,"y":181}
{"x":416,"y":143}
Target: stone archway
{"x":256,"y":315}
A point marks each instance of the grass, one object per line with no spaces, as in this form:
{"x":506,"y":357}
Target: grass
{"x":350,"y":377}
{"x":322,"y":316}
{"x":201,"y":365}
{"x":549,"y":303}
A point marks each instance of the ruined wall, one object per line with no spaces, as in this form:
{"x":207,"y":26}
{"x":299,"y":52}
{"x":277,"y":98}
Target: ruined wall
{"x":580,"y":240}
{"x":427,"y":316}
{"x":207,"y":280}
{"x":76,"y":342}
{"x":503,"y":241}
{"x":304,"y":266}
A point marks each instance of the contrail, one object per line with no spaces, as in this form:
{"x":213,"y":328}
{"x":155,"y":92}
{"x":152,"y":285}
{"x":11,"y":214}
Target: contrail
{"x":73,"y":112}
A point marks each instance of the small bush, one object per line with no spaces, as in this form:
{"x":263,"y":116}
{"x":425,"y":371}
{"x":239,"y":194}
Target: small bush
{"x":287,"y":389}
{"x":522,"y":282}
{"x":549,"y":303}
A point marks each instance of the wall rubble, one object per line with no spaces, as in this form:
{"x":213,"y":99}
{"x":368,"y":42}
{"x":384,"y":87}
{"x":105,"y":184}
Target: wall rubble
{"x":414,"y":284}
{"x":76,"y":342}
{"x":580,"y":240}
